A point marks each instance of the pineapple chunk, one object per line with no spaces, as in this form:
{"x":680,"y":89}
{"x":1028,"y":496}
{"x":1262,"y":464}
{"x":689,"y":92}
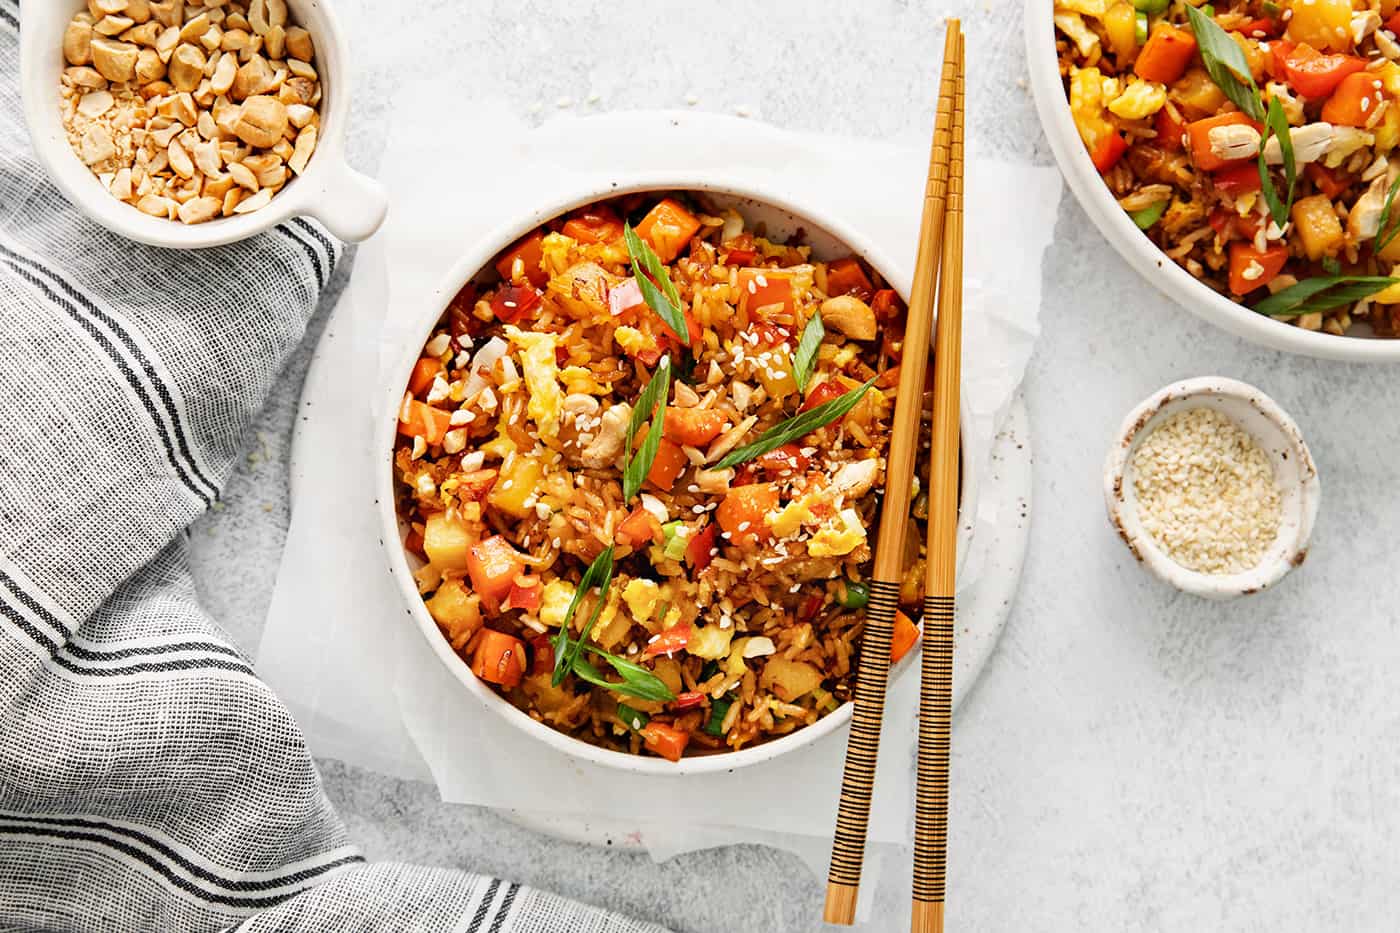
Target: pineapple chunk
{"x":641,"y":597}
{"x":776,"y":373}
{"x":1388,"y":130}
{"x":554,"y":602}
{"x":710,"y":641}
{"x":446,"y":541}
{"x":1318,"y":226}
{"x":1120,"y":24}
{"x":1139,"y":100}
{"x":789,"y":679}
{"x":583,"y":290}
{"x":1323,"y":24}
{"x":457,"y":612}
{"x":520,"y":475}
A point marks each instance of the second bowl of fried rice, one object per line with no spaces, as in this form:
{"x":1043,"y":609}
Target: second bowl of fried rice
{"x":1164,"y":116}
{"x":674,"y":601}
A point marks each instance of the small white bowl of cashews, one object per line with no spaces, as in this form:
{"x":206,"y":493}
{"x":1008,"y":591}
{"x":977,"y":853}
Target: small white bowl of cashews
{"x":188,"y":127}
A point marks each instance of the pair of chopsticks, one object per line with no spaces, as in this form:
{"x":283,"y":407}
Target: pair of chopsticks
{"x":940,"y":243}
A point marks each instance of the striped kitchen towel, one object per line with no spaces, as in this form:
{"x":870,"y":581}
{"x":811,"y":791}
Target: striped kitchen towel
{"x":148,"y":779}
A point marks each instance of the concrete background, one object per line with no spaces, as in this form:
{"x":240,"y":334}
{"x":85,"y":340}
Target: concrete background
{"x":1132,"y":759}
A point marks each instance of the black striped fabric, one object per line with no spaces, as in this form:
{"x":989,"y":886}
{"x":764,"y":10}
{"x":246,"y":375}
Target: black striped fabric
{"x":148,"y":779}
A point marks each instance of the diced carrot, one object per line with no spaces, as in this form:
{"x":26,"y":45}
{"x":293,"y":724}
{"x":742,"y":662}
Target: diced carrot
{"x":762,"y":288}
{"x":424,"y":372}
{"x":499,"y":658}
{"x":417,"y":419}
{"x":1109,"y":150}
{"x":1238,"y":179}
{"x":1277,"y":62}
{"x":542,"y":655}
{"x":1315,"y":75}
{"x":667,"y":337}
{"x":526,"y":596}
{"x":530,"y":251}
{"x":743,"y":513}
{"x":846,"y":277}
{"x":1167,"y":53}
{"x":739,"y":251}
{"x":1329,"y":182}
{"x":594,"y":225}
{"x":693,"y":426}
{"x":666,"y":741}
{"x":828,"y":390}
{"x":1169,"y":130}
{"x":668,"y":228}
{"x":1355,"y":100}
{"x":670,"y":641}
{"x":639,"y":528}
{"x":670,"y":462}
{"x":493,"y":565}
{"x":699,"y":550}
{"x":1198,"y":132}
{"x":512,"y":302}
{"x":1251,"y":269}
{"x":906,"y":633}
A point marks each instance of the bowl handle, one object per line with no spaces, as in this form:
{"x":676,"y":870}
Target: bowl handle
{"x":352,"y":205}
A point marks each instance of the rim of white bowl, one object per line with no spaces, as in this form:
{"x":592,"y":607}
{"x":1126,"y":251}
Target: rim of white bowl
{"x":350,"y":204}
{"x":473,"y":262}
{"x":1134,"y":246}
{"x":1304,"y":494}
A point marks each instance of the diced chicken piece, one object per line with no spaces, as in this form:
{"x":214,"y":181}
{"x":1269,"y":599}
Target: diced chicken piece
{"x":1364,"y":220}
{"x":1310,"y":143}
{"x":855,"y":479}
{"x":602,"y":451}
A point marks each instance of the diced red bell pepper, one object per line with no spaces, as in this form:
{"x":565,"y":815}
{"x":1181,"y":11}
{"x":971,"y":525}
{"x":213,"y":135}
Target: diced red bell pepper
{"x":1168,"y":51}
{"x":1327,"y":181}
{"x":763,"y":288}
{"x":770,"y":334}
{"x":513,"y":302}
{"x":424,"y":372}
{"x":1277,"y":62}
{"x":493,"y":565}
{"x":498,"y":658}
{"x":1315,"y":75}
{"x":1355,"y":101}
{"x":594,"y":225}
{"x":886,"y":305}
{"x":1260,"y":28}
{"x":906,"y":633}
{"x":638,"y":529}
{"x":666,"y":741}
{"x":828,"y":390}
{"x":530,"y":251}
{"x":667,"y":228}
{"x":417,"y":419}
{"x":783,"y":462}
{"x":693,"y":426}
{"x":688,"y":700}
{"x":846,"y":277}
{"x":670,"y":462}
{"x":525,"y":597}
{"x":541,"y":655}
{"x":1230,"y":225}
{"x":1108,"y":151}
{"x":1198,"y":132}
{"x":699,"y":550}
{"x":739,"y":251}
{"x":670,"y":641}
{"x":1251,"y":269}
{"x":1237,"y":179}
{"x":1170,"y":130}
{"x":810,"y":607}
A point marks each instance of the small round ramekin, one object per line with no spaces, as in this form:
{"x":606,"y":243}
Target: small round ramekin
{"x":351,"y":205}
{"x":829,"y":238}
{"x":1275,"y":433}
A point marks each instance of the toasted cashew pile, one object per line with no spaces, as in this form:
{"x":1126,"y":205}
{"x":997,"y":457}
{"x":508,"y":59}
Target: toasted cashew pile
{"x":191,"y":112}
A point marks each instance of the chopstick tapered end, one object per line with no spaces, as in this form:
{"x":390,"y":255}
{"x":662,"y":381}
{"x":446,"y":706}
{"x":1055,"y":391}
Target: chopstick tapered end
{"x":840,"y":903}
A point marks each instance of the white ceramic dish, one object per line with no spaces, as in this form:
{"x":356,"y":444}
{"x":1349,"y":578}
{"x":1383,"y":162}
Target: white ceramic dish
{"x":351,"y":205}
{"x":1277,"y":435}
{"x":829,"y":239}
{"x":1134,"y":246}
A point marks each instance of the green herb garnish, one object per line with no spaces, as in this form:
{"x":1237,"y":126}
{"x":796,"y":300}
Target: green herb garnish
{"x":1276,"y":125}
{"x":718,"y":710}
{"x":1226,"y":64}
{"x":797,"y":426}
{"x":1331,"y":266}
{"x":805,"y":359}
{"x":1322,"y":293}
{"x":599,"y":574}
{"x":651,"y":409}
{"x":1140,"y":30}
{"x":657,"y":291}
{"x":1151,"y":6}
{"x":637,"y":681}
{"x":1148,"y":216}
{"x":633,"y":719}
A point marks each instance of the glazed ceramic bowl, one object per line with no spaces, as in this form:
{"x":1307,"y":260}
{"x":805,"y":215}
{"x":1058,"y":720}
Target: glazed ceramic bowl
{"x":1134,"y":246}
{"x":350,"y":205}
{"x":1275,"y":433}
{"x":829,"y":239}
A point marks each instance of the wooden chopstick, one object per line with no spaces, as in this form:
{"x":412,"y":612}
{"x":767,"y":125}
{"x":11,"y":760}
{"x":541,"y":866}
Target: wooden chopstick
{"x":936,"y":693}
{"x":862,"y":749}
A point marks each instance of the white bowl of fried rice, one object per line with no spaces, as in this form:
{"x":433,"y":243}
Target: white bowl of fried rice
{"x":1337,"y":227}
{"x":729,"y":627}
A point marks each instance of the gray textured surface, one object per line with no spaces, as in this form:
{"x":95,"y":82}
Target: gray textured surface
{"x":1132,"y":759}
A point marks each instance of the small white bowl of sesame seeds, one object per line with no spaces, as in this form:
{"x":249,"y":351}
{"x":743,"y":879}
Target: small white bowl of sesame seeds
{"x":1211,"y":487}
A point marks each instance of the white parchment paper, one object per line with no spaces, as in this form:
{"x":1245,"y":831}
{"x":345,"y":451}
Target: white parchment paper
{"x":338,"y":645}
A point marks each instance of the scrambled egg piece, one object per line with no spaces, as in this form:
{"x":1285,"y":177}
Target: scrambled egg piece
{"x":1086,"y":104}
{"x":1139,"y":99}
{"x":1072,"y":25}
{"x":1094,"y":8}
{"x":641,"y":597}
{"x":710,"y":641}
{"x":632,"y":340}
{"x":541,"y":377}
{"x":792,"y":517}
{"x":842,"y":536}
{"x":554,"y":602}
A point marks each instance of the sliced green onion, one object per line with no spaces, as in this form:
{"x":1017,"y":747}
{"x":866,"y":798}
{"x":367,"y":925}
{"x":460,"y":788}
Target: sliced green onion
{"x":1271,"y":9}
{"x":1208,"y":9}
{"x":718,"y":710}
{"x":805,"y":359}
{"x":710,"y":669}
{"x":1140,"y":28}
{"x":852,"y":595}
{"x":1331,"y":266}
{"x":797,"y":426}
{"x":1148,"y":215}
{"x":1322,"y":293}
{"x":1151,"y":6}
{"x":676,"y":539}
{"x":633,"y":719}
